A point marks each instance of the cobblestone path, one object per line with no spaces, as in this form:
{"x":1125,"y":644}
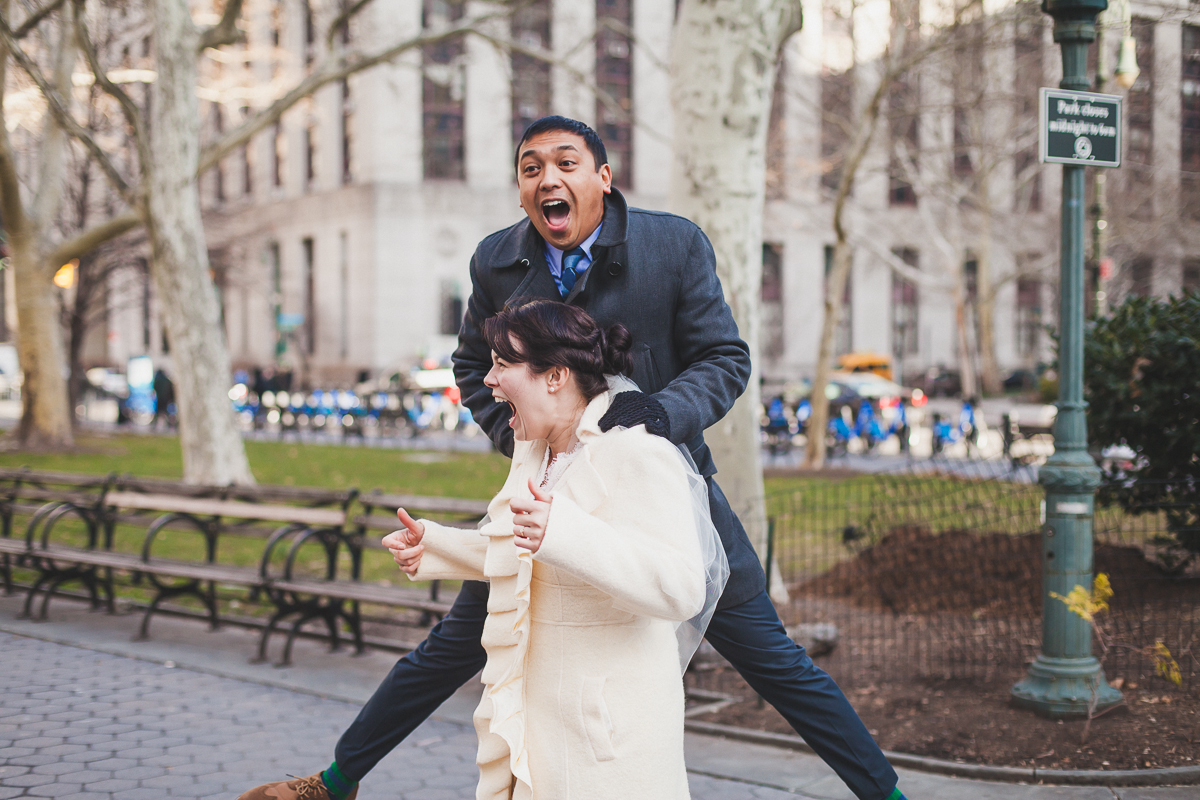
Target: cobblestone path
{"x":76,"y":723}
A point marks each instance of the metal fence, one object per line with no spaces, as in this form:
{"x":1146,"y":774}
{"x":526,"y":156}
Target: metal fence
{"x":932,"y":573}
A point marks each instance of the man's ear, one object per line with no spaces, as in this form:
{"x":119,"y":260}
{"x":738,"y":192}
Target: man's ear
{"x":606,"y":177}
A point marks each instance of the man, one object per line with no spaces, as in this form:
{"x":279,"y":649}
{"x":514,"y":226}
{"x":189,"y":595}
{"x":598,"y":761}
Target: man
{"x":654,"y":273}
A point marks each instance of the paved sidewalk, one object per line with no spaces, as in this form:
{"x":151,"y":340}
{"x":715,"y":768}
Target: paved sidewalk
{"x":87,"y":713}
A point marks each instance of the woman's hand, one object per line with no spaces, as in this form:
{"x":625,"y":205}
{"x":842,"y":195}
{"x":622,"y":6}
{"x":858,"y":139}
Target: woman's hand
{"x":530,"y":518}
{"x":406,"y":545}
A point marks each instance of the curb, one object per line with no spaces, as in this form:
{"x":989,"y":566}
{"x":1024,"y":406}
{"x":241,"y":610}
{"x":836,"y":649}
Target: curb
{"x":1171,"y":776}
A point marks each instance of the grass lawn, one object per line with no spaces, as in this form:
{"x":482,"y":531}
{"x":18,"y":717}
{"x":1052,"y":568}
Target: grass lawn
{"x":470,"y":475}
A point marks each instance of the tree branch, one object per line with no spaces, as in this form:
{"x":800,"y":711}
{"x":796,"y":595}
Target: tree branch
{"x":132,"y":114}
{"x":86,"y":241}
{"x":329,"y":70}
{"x":62,"y":116}
{"x":342,"y":20}
{"x":35,"y":19}
{"x":906,"y":271}
{"x":226,"y":31}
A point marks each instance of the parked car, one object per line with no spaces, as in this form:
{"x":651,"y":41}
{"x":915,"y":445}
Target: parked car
{"x":940,"y":382}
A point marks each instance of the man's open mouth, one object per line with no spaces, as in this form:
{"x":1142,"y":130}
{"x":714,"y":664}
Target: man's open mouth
{"x":556,"y":212}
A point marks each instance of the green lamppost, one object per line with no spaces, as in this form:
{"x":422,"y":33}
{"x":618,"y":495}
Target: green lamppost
{"x":1066,"y":679}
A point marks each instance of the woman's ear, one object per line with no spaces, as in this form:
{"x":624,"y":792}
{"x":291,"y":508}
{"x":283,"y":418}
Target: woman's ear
{"x":556,"y":378}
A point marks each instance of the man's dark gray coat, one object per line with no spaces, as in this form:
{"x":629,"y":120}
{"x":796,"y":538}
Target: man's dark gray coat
{"x":654,"y":273}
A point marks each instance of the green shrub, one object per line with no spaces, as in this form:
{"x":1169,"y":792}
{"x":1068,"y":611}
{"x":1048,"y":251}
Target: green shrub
{"x":1142,"y":379}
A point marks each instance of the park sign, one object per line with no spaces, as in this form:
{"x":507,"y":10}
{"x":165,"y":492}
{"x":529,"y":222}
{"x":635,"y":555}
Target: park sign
{"x":1081,"y":128}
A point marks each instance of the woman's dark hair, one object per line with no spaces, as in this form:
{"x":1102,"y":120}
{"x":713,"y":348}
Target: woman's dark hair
{"x":549,"y":334}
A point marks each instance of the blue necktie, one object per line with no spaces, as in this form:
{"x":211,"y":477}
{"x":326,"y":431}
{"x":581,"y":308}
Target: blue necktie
{"x":571,"y":259}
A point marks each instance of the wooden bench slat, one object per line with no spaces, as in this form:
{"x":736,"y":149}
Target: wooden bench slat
{"x":362,"y":592}
{"x":225,"y":508}
{"x":246,"y":576}
{"x":173,"y":569}
{"x":455,"y":505}
{"x":380,"y":522}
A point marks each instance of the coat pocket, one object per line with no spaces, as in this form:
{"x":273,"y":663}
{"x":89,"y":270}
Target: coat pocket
{"x":596,"y":720}
{"x":646,"y":368}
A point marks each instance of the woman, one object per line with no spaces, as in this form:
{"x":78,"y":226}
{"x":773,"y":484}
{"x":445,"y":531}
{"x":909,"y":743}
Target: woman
{"x":601,"y":570}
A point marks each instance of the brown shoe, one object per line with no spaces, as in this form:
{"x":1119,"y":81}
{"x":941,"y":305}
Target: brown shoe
{"x":310,"y":788}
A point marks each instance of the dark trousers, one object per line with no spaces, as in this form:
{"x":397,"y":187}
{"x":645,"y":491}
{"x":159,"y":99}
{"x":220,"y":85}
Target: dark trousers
{"x":750,"y":636}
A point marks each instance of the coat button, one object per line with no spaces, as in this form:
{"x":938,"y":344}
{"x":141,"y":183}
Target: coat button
{"x":524,"y":262}
{"x":614,"y":269}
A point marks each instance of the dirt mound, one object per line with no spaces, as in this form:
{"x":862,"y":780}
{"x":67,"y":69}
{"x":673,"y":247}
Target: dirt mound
{"x":913,"y":571}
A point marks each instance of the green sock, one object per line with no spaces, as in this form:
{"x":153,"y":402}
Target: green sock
{"x":339,"y":785}
{"x":895,"y":795}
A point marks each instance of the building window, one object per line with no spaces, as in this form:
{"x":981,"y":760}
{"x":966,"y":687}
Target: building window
{"x":275,"y":267}
{"x":1029,"y":58}
{"x":772,"y":300}
{"x":1189,"y":151}
{"x":971,"y":279}
{"x":310,"y":32}
{"x":904,"y":307}
{"x":837,"y":95}
{"x":278,"y":143}
{"x":1029,"y":317}
{"x":776,"y":139}
{"x":310,"y":157}
{"x":903,"y":113}
{"x":4,"y":334}
{"x":531,"y":76}
{"x":1141,"y":276}
{"x":1191,"y":275}
{"x":310,"y":296}
{"x":1139,"y":102}
{"x":347,"y":134}
{"x":344,"y":259}
{"x":614,"y":76}
{"x":219,"y":169}
{"x":968,"y":84}
{"x":344,"y":31}
{"x":442,"y":94}
{"x":452,"y":308}
{"x":247,"y":167}
{"x":842,"y":338}
{"x":904,"y":134}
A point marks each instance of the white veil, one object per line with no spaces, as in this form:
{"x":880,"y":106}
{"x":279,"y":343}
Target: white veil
{"x":712,"y":553}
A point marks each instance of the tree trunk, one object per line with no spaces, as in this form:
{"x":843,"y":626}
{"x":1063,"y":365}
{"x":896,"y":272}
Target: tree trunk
{"x":985,"y":307}
{"x":835,"y":290}
{"x":45,"y":412}
{"x":966,"y":366}
{"x":213,"y":452}
{"x":723,"y":67}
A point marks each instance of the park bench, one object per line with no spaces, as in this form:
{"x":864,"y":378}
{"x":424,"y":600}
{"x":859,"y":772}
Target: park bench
{"x":213,"y":512}
{"x":1015,"y":427}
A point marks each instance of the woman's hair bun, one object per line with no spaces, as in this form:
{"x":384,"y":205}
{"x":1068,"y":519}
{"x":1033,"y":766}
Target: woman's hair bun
{"x":615,"y":344}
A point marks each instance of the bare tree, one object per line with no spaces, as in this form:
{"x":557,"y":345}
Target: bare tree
{"x":165,"y":190}
{"x":723,"y":71}
{"x":29,"y":220}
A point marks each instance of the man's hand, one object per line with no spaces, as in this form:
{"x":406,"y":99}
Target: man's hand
{"x":530,"y":518}
{"x":406,"y":545}
{"x":630,"y":409}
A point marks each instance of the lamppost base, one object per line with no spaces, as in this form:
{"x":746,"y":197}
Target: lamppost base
{"x":1063,"y":687}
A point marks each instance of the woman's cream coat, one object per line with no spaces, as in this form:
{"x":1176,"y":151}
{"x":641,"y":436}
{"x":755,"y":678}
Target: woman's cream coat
{"x":583,"y":694}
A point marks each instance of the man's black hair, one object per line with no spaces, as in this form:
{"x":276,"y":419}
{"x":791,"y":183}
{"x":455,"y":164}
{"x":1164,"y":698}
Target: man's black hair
{"x":557,"y":123}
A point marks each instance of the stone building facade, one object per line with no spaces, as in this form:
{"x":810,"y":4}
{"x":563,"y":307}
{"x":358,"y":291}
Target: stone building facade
{"x":341,"y":238}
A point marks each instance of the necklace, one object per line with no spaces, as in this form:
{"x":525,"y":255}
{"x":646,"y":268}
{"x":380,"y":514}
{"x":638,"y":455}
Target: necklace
{"x":553,"y":468}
